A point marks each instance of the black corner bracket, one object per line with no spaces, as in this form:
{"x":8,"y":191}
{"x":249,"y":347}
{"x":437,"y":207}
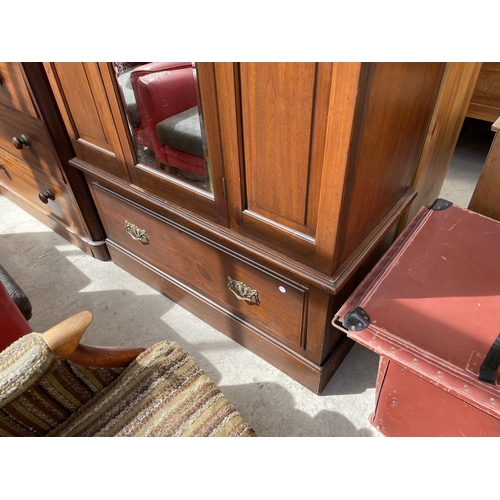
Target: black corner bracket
{"x":440,"y":204}
{"x":356,"y":320}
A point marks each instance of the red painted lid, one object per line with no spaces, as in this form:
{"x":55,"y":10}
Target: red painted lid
{"x":437,"y":290}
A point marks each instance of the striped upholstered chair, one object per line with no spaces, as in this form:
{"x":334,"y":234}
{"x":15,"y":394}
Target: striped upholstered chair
{"x":51,"y":385}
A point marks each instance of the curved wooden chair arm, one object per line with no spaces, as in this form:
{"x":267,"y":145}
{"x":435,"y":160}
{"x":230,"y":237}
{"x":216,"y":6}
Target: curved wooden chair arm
{"x":64,"y":340}
{"x":105,"y":357}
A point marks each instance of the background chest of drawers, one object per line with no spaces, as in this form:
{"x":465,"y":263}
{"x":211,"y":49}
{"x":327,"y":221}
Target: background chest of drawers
{"x":34,"y":155}
{"x":485,"y":101}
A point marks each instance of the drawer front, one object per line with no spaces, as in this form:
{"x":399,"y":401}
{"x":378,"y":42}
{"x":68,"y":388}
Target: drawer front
{"x":13,"y":90}
{"x":266,"y":300}
{"x":40,"y":152}
{"x":30,"y":182}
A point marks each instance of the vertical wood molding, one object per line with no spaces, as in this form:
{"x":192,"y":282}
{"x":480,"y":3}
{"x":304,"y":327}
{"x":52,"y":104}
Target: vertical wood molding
{"x":124,"y":145}
{"x":449,"y":113}
{"x":345,"y":82}
{"x":228,"y":120}
{"x":56,"y":88}
{"x":208,"y":89}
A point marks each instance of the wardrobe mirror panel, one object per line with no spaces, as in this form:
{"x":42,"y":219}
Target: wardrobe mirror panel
{"x":164,"y":113}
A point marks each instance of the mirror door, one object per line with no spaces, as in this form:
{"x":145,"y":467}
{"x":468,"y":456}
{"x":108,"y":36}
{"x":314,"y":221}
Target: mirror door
{"x":172,"y":119}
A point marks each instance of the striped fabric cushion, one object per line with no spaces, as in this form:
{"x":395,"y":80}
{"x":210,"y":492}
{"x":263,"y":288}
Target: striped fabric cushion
{"x":22,"y":365}
{"x":161,"y":393}
{"x":38,"y":392}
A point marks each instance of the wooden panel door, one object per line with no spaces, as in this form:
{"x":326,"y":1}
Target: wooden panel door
{"x":277,"y":115}
{"x":82,"y":99}
{"x":276,"y":134}
{"x":317,"y":154}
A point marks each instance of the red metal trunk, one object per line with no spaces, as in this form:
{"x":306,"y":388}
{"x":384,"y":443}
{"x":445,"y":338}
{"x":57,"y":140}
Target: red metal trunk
{"x":431,"y":309}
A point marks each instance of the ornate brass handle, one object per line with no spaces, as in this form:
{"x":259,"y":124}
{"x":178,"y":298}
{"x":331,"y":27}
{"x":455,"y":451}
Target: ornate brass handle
{"x":242,"y":291}
{"x":137,"y":233}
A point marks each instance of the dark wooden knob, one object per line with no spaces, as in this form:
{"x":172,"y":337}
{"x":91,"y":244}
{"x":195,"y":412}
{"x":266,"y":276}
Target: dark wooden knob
{"x":45,"y":197}
{"x":20,"y":142}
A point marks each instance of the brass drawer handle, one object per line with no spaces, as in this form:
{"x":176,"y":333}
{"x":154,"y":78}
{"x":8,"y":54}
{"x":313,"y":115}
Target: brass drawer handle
{"x":137,"y":233}
{"x":242,"y":291}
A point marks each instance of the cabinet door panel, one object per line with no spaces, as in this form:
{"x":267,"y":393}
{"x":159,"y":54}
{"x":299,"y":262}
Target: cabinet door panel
{"x":277,"y":106}
{"x":281,"y":115}
{"x":87,"y":115}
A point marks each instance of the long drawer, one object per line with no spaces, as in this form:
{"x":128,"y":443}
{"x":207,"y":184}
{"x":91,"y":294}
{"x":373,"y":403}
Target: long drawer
{"x":40,"y":152}
{"x":13,"y":89}
{"x":268,"y":301}
{"x":29,"y":182}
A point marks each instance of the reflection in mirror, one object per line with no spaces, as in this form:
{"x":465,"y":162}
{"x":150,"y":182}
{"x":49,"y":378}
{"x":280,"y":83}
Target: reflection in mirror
{"x":163,"y":108}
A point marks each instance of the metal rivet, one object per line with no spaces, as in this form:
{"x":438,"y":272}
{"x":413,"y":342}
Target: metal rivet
{"x":478,"y":355}
{"x":393,"y":348}
{"x":415,"y":360}
{"x":382,"y":429}
{"x":475,"y":364}
{"x":282,"y":289}
{"x":374,"y":339}
{"x":440,"y":373}
{"x":353,"y":328}
{"x":360,"y":324}
{"x":466,"y":386}
{"x":492,"y":400}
